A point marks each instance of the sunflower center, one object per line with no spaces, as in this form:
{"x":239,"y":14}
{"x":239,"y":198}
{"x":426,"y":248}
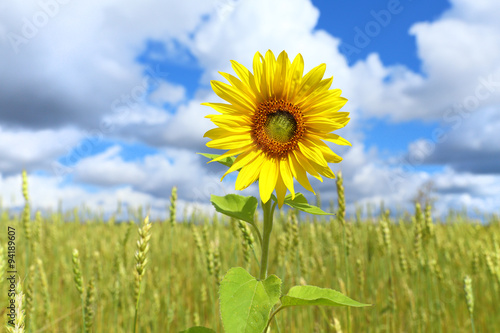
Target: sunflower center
{"x":280,"y":126}
{"x":277,"y":127}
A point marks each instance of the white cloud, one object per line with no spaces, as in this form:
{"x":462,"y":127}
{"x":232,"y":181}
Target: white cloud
{"x":462,"y":189}
{"x":167,"y":93}
{"x":138,"y":116}
{"x":183,"y":129}
{"x":46,"y":194}
{"x":458,"y":53}
{"x":23,"y":149}
{"x":470,"y":143}
{"x":74,"y":60}
{"x":154,"y":174}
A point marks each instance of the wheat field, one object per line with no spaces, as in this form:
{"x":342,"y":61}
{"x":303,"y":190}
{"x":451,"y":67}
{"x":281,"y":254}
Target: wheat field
{"x":410,"y":268}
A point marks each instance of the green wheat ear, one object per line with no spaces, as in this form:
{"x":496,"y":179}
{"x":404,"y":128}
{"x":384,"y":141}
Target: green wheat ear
{"x":77,"y":272}
{"x":141,"y":253}
{"x":26,"y":211}
{"x":469,"y":298}
{"x":141,"y":261}
{"x":89,"y":306}
{"x":173,"y":206}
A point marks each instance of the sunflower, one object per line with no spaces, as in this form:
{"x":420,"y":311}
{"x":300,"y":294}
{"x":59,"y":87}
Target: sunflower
{"x":276,"y":121}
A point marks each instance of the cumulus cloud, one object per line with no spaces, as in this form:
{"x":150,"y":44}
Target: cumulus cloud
{"x":463,"y":189}
{"x":167,"y":93}
{"x":47,"y":194}
{"x":470,"y":144}
{"x":458,"y":53}
{"x":156,"y":127}
{"x":68,"y":62}
{"x":154,"y":174}
{"x":31,"y":150}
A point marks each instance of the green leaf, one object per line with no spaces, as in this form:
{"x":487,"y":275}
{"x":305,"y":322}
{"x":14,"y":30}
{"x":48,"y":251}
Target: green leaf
{"x":311,"y":295}
{"x":237,"y":206}
{"x":300,"y":202}
{"x":246,"y":303}
{"x":227,"y":161}
{"x":198,"y":329}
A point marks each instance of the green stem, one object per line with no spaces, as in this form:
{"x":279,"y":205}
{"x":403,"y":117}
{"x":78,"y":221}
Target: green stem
{"x":272,"y":316}
{"x":84,"y":328}
{"x":391,"y":281}
{"x":136,"y":316}
{"x":268,"y":209}
{"x":259,"y":237}
{"x":472,"y":323}
{"x":349,"y":329}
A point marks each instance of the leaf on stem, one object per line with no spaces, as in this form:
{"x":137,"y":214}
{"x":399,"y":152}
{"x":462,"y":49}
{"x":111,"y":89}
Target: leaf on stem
{"x":311,"y":295}
{"x":227,"y":161}
{"x":237,"y":206}
{"x":245,"y":302}
{"x":300,"y":203}
{"x":198,"y":329}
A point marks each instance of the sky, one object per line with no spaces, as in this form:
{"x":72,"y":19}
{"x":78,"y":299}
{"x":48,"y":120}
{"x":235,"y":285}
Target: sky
{"x":101,"y":101}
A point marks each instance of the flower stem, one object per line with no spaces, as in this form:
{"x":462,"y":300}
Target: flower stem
{"x":268,"y":209}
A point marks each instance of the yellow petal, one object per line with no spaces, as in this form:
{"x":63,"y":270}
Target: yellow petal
{"x":299,"y":173}
{"x":227,"y":108}
{"x":294,"y":76}
{"x":336,"y":139}
{"x":309,"y":82}
{"x":231,"y":142}
{"x":304,"y":162}
{"x":233,"y":95}
{"x":232,"y":152}
{"x":333,"y":116}
{"x":325,"y":171}
{"x":218,"y":132}
{"x":329,"y":155}
{"x":269,"y":68}
{"x":267,"y":179}
{"x":315,"y":90}
{"x":235,"y":82}
{"x":258,"y":73}
{"x":242,"y":72}
{"x":249,"y":173}
{"x":280,"y":191}
{"x":281,"y":74}
{"x":324,"y":85}
{"x":327,"y":96}
{"x":242,"y":160}
{"x":325,"y":108}
{"x":247,"y":77}
{"x":231,"y":122}
{"x":310,"y":151}
{"x":287,"y":176}
{"x":323,"y":126}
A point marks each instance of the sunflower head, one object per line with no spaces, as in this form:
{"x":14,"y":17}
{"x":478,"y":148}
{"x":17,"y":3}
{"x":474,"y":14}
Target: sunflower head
{"x":275,"y":122}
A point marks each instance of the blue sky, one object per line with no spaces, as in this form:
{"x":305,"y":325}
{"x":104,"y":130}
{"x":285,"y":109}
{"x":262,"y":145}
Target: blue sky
{"x":102,"y":103}
{"x":393,"y":43}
